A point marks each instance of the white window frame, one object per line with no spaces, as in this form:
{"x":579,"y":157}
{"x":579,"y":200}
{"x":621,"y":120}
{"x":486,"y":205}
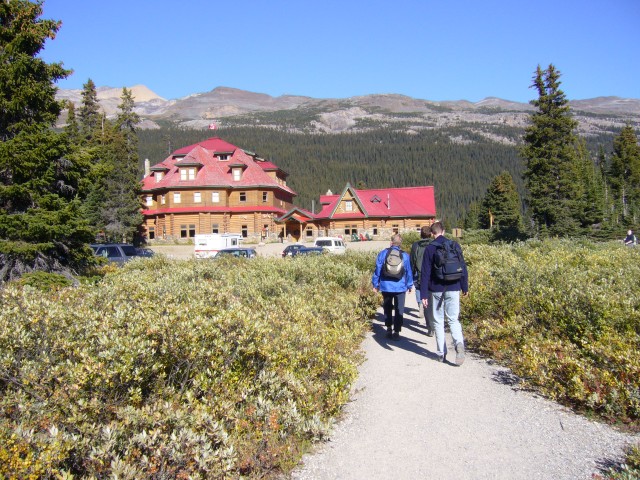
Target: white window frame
{"x":197,"y":197}
{"x":215,"y":197}
{"x":348,"y":206}
{"x":163,"y":199}
{"x":237,"y":174}
{"x":159,"y":176}
{"x":149,"y":201}
{"x":177,"y":197}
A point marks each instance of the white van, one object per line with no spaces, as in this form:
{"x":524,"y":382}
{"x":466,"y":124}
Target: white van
{"x":207,"y":245}
{"x":331,"y":244}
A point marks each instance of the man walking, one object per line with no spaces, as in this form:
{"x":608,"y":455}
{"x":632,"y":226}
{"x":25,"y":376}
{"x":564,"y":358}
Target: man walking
{"x":417,"y":254}
{"x":441,"y":285}
{"x":393,"y":278}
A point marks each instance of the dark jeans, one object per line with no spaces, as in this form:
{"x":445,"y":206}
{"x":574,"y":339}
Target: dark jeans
{"x":393,"y":302}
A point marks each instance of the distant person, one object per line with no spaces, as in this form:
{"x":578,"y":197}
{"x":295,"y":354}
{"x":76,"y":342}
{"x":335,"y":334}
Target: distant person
{"x":393,"y":278}
{"x":630,"y":239}
{"x":441,"y":292}
{"x":417,"y":254}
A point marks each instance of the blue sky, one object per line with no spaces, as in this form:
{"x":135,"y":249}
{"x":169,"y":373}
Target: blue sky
{"x":433,"y":50}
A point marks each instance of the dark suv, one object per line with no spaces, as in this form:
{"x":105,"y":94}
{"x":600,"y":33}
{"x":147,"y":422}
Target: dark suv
{"x":291,"y":250}
{"x":116,"y":252}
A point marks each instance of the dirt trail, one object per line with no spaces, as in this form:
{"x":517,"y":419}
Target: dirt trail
{"x":414,"y":418}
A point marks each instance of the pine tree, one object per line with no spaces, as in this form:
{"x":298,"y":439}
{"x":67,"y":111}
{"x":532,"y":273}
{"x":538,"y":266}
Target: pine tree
{"x":624,"y":175}
{"x":552,"y":165}
{"x":40,"y":225}
{"x":89,"y":114}
{"x":501,"y":204}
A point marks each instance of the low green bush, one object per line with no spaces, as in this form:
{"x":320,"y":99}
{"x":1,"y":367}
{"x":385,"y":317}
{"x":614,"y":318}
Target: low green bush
{"x":180,"y":369}
{"x":565,"y":316}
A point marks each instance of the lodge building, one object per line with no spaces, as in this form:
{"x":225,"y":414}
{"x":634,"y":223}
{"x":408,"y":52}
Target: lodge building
{"x":216,"y":187}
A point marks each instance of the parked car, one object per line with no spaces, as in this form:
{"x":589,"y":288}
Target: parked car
{"x":331,"y":244}
{"x":291,"y":250}
{"x":240,"y":252}
{"x":145,"y":252}
{"x":310,"y":251}
{"x":115,"y":252}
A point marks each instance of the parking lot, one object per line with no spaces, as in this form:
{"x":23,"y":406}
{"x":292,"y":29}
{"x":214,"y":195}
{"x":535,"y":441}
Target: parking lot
{"x":185,"y":252}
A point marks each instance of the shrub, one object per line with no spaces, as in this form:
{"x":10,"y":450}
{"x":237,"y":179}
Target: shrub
{"x":565,"y":316}
{"x":179,"y":369}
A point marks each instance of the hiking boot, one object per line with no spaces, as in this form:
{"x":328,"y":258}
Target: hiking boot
{"x":396,"y":335}
{"x":459,"y":354}
{"x":389,"y":332}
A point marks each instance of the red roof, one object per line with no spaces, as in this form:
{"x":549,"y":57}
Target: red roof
{"x":213,"y":171}
{"x":383,"y":202}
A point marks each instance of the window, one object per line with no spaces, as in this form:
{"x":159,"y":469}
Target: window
{"x":187,"y":174}
{"x":265,"y":197}
{"x":152,"y":233}
{"x":163,"y":199}
{"x":309,"y":232}
{"x":214,"y":228}
{"x":177,"y":197}
{"x":348,"y":206}
{"x":374,"y":229}
{"x":395,"y":228}
{"x":159,"y":176}
{"x":215,"y":197}
{"x":243,"y":196}
{"x":187,"y":231}
{"x":237,"y":174}
{"x":196,"y":197}
{"x":223,"y":156}
{"x":245,"y":231}
{"x":149,"y":201}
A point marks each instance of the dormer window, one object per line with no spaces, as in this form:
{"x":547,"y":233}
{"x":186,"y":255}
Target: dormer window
{"x":223,"y":156}
{"x":237,"y":174}
{"x":187,"y":174}
{"x":159,"y":176}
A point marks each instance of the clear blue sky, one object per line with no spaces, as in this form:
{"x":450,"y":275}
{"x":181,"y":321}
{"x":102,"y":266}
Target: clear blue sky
{"x":433,"y":50}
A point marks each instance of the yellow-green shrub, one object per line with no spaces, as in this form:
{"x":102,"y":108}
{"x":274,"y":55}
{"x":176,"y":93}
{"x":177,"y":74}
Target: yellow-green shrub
{"x":564,"y":316}
{"x":207,"y":369}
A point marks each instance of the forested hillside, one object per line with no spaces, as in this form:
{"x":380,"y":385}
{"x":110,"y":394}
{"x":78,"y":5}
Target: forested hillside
{"x":459,"y":162}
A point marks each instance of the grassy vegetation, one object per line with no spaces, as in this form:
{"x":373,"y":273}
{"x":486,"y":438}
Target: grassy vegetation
{"x":231,"y":369}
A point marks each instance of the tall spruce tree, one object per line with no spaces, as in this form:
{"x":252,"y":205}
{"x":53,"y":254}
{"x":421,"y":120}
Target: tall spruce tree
{"x":89,"y":114}
{"x":553,"y":165}
{"x":40,"y":225}
{"x":624,"y":176}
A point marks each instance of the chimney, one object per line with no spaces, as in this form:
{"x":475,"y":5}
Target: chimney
{"x":147,"y":167}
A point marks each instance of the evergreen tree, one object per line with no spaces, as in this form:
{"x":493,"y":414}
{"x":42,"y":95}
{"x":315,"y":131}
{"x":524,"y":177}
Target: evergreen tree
{"x":472,"y":216}
{"x":89,"y":114}
{"x":624,"y":175}
{"x":501,"y":204}
{"x":40,"y":225}
{"x":552,"y":174}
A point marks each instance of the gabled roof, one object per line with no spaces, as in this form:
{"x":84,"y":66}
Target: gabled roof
{"x":297,"y":213}
{"x":212,"y":171}
{"x":382,"y":203}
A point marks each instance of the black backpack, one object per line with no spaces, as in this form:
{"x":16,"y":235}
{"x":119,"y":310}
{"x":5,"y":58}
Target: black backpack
{"x":393,"y":266}
{"x":448,"y":263}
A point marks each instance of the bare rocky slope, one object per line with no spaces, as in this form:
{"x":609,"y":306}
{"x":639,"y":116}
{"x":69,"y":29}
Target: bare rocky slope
{"x":228,"y":105}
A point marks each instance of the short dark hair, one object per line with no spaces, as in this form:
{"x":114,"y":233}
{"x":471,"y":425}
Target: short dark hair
{"x":437,"y":228}
{"x":425,"y":231}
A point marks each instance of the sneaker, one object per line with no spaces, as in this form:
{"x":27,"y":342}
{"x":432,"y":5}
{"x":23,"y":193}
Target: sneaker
{"x":396,"y":335}
{"x":442,"y":358}
{"x":459,"y":354}
{"x":429,"y":332}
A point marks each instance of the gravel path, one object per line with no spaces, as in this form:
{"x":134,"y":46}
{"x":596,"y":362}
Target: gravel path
{"x":414,"y":418}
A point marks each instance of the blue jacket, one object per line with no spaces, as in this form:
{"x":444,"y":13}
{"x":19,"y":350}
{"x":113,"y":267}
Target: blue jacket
{"x":429,"y":282}
{"x":388,"y":284}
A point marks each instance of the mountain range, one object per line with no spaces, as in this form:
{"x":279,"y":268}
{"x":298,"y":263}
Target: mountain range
{"x":224,"y":105}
